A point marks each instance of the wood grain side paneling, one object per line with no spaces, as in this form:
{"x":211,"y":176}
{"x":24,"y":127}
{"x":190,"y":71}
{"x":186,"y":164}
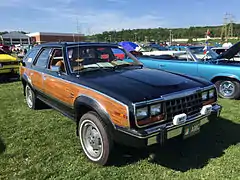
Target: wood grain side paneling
{"x":36,"y":79}
{"x":68,"y":92}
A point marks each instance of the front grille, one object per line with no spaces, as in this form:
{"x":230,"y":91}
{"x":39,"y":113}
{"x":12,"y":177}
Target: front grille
{"x":189,"y":105}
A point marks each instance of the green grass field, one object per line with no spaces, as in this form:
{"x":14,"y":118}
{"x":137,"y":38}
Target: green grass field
{"x":42,"y":145}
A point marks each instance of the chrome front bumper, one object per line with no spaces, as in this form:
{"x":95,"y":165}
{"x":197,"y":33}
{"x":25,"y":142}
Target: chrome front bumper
{"x":174,"y":131}
{"x":163,"y":132}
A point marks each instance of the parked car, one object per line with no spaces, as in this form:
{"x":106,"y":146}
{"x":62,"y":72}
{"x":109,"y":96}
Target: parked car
{"x":220,"y":50}
{"x":154,"y":51}
{"x":5,"y":48}
{"x":218,"y":69}
{"x":9,"y":65}
{"x":112,"y":100}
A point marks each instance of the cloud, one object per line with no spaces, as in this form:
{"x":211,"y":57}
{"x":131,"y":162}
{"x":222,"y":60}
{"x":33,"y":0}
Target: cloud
{"x":64,"y":15}
{"x":96,"y":21}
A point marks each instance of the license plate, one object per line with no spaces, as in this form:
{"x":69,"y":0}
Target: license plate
{"x":191,"y":129}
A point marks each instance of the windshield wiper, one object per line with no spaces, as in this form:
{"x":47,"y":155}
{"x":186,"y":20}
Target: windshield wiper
{"x":127,"y":65}
{"x":86,"y":69}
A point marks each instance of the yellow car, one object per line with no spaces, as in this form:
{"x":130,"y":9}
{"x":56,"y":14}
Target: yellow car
{"x":9,"y":65}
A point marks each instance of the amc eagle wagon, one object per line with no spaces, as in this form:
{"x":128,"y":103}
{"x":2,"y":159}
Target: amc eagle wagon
{"x":115,"y":100}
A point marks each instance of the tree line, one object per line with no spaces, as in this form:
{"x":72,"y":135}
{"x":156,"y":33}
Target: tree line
{"x":161,"y":34}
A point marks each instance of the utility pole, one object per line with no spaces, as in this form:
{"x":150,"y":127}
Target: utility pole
{"x":170,"y":37}
{"x":227,"y":28}
{"x":135,"y":37}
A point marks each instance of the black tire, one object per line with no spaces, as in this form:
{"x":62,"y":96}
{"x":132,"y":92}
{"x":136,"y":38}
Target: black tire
{"x":35,"y":103}
{"x":100,"y":130}
{"x":235,"y":93}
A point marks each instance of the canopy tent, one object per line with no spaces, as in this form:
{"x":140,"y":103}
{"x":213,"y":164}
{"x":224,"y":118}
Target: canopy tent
{"x":128,"y":45}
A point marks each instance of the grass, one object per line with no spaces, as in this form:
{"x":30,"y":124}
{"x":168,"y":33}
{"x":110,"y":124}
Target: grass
{"x":42,"y":145}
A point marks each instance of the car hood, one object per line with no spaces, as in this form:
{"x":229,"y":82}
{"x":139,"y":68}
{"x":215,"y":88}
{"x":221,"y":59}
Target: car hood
{"x":139,"y":84}
{"x":6,"y":58}
{"x":231,"y":52}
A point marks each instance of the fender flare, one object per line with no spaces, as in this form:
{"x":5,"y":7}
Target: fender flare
{"x":226,"y":75}
{"x":84,"y":100}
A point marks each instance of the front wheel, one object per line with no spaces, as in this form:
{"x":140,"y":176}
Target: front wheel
{"x":95,"y":139}
{"x":228,"y":89}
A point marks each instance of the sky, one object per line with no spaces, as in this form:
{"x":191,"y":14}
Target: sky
{"x":96,"y":16}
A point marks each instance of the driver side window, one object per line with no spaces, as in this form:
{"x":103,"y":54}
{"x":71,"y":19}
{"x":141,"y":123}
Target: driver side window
{"x":57,"y":60}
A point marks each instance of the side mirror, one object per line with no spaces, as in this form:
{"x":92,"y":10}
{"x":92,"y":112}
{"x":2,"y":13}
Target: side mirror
{"x":55,"y":69}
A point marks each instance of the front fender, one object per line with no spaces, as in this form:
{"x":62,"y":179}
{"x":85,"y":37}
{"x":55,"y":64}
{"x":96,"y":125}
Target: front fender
{"x":228,"y":75}
{"x":84,"y":100}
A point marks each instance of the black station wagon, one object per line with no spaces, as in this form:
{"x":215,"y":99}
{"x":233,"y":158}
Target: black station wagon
{"x":113,"y":98}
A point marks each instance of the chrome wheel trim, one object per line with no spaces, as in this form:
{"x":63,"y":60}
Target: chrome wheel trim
{"x":227,"y":88}
{"x":29,"y":97}
{"x":91,"y":140}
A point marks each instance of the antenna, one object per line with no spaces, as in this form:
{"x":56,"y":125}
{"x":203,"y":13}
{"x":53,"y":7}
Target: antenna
{"x":78,"y":47}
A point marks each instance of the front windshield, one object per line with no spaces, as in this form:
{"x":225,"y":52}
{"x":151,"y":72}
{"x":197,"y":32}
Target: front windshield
{"x":203,"y":53}
{"x":82,"y":58}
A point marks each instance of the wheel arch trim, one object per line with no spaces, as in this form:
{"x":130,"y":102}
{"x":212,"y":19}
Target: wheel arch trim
{"x":92,"y":103}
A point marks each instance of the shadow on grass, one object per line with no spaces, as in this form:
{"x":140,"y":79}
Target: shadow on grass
{"x":5,"y":78}
{"x":2,"y":146}
{"x":192,"y":153}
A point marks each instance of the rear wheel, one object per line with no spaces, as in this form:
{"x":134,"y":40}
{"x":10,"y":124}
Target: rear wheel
{"x":94,"y":138}
{"x":32,"y":101}
{"x":228,"y":89}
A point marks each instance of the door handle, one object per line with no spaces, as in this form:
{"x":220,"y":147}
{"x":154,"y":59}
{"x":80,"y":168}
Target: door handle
{"x":161,"y":65}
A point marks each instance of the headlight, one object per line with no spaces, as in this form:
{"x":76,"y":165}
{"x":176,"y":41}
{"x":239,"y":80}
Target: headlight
{"x":204,"y":95}
{"x":142,"y":113}
{"x":156,"y":109}
{"x":211,"y":93}
{"x":0,"y":65}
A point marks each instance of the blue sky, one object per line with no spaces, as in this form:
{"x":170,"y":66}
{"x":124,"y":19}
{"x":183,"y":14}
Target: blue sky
{"x":94,"y":16}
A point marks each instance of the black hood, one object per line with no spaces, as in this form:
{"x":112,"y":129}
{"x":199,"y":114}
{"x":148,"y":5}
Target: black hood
{"x":231,"y":52}
{"x":137,"y":85}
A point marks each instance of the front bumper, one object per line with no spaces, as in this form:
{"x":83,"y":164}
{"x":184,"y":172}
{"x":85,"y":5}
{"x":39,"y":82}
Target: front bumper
{"x":14,"y":69}
{"x":161,"y":133}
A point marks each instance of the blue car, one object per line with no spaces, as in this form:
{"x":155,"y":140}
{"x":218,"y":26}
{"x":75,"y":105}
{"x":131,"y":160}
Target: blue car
{"x":203,"y":63}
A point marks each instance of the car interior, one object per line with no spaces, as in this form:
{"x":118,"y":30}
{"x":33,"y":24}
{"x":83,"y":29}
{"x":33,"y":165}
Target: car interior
{"x":57,"y":60}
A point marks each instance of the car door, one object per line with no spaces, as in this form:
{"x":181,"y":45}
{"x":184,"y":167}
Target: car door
{"x":183,"y":67}
{"x":37,"y":71}
{"x":56,"y":85}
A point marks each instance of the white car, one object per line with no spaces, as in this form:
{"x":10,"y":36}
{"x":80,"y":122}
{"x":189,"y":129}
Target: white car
{"x":152,"y":51}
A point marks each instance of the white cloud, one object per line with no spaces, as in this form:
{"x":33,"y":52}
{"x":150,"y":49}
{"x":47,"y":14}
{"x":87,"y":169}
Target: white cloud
{"x":97,"y":21}
{"x":63,"y":16}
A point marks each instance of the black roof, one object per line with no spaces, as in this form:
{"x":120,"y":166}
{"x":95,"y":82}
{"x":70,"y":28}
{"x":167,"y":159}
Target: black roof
{"x":79,"y":44}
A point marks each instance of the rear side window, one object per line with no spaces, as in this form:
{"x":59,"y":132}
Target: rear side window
{"x":42,"y":59}
{"x":30,"y":56}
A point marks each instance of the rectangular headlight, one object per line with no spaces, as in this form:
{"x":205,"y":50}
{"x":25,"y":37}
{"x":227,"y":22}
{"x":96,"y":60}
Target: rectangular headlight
{"x":204,"y":95}
{"x":142,"y":113}
{"x":156,"y":109}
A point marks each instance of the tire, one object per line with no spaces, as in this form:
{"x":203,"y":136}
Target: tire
{"x":228,"y":89}
{"x":93,"y":130}
{"x":32,"y":101}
